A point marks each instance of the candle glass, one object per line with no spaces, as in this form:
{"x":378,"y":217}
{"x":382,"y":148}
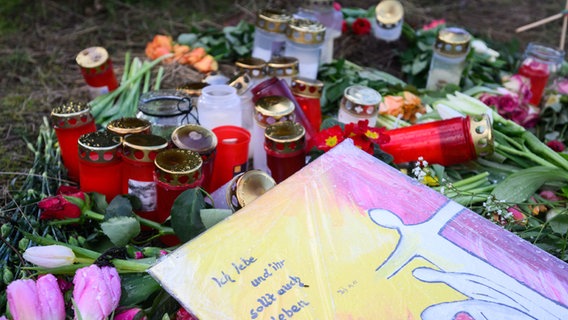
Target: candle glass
{"x":304,"y":40}
{"x":100,"y":164}
{"x":71,"y":121}
{"x":448,"y":59}
{"x":268,"y":110}
{"x":445,"y":142}
{"x":308,"y":93}
{"x":96,"y":67}
{"x":232,"y":148}
{"x":359,"y":103}
{"x":219,"y":105}
{"x":201,"y":140}
{"x":139,"y":152}
{"x":284,"y":146}
{"x":269,"y":37}
{"x":389,"y":17}
{"x":539,"y":64}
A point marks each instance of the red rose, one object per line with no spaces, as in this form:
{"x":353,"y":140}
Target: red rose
{"x":57,"y":207}
{"x":556,"y":145}
{"x":361,"y":26}
{"x":344,"y":26}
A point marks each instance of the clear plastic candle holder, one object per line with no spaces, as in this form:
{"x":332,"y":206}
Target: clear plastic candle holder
{"x":448,"y":60}
{"x":269,"y":37}
{"x":389,"y":17}
{"x":359,"y":103}
{"x":304,"y":40}
{"x":219,"y":105}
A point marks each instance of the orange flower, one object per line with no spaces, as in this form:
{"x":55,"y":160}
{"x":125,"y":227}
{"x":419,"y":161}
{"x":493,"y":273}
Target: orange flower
{"x":159,"y":46}
{"x":196,"y":55}
{"x":407,"y":105}
{"x":207,"y":64}
{"x":391,"y":105}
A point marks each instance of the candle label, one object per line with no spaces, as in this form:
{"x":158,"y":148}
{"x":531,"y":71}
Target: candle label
{"x":145,"y":191}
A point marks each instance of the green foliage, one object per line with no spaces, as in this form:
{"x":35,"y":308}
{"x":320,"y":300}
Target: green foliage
{"x":186,"y":214}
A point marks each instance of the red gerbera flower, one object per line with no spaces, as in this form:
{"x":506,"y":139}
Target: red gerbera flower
{"x":329,"y":138}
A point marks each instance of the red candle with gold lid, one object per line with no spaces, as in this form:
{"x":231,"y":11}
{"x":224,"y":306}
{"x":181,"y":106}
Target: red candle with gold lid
{"x":308,"y":94}
{"x":71,"y":121}
{"x":445,"y":142}
{"x":97,"y":71}
{"x":284,"y":146}
{"x":129,"y":125}
{"x":176,"y":170}
{"x":100,"y":164}
{"x":139,"y":151}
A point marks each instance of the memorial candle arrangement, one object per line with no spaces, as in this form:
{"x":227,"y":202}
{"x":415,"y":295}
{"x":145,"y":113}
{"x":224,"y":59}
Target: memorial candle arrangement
{"x":71,"y":121}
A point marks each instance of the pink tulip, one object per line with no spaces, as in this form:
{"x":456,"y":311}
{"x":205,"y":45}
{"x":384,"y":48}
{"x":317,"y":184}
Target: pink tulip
{"x":128,"y":314}
{"x":96,"y":292}
{"x":41,"y":300}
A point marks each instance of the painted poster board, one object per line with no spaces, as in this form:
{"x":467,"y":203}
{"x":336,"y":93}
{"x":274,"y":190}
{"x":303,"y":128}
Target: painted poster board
{"x":349,"y":237}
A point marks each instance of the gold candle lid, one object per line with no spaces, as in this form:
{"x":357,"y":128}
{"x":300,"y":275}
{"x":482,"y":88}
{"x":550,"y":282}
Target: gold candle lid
{"x":99,"y":147}
{"x":143,"y":147}
{"x":272,"y":20}
{"x":285,"y":137}
{"x":193,"y":88}
{"x":178,"y":167}
{"x":482,"y":135}
{"x":307,"y":88}
{"x":282,"y":67}
{"x":247,"y":187}
{"x":360,"y":101}
{"x":240,"y":81}
{"x":196,"y":138}
{"x":452,"y":42}
{"x":271,"y":109}
{"x":305,"y":31}
{"x":255,"y":67}
{"x":71,"y":115}
{"x":129,"y":125}
{"x":389,"y":13}
{"x":92,"y":57}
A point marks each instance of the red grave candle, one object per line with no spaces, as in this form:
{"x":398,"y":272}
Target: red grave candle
{"x":308,"y":93}
{"x":444,"y":142}
{"x":100,"y":164}
{"x":284,"y":146}
{"x":97,"y":71}
{"x":71,"y":121}
{"x":139,"y":151}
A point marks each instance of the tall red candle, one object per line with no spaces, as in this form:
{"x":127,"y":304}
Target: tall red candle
{"x":100,"y":163}
{"x":284,"y":145}
{"x":444,"y":142}
{"x":139,"y":151}
{"x":308,"y":94}
{"x":71,"y":121}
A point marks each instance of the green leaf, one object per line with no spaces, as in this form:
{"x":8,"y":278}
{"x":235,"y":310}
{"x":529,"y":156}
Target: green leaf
{"x":520,"y":185}
{"x":121,"y":229}
{"x":211,"y":217}
{"x":120,"y":206}
{"x":136,"y":288}
{"x":99,"y":203}
{"x":186,"y":215}
{"x":559,"y":223}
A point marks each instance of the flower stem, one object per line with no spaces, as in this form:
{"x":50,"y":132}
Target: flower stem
{"x":154,"y":225}
{"x":526,"y":154}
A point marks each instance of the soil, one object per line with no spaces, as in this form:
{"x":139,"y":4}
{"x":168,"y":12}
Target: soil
{"x":40,"y":39}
